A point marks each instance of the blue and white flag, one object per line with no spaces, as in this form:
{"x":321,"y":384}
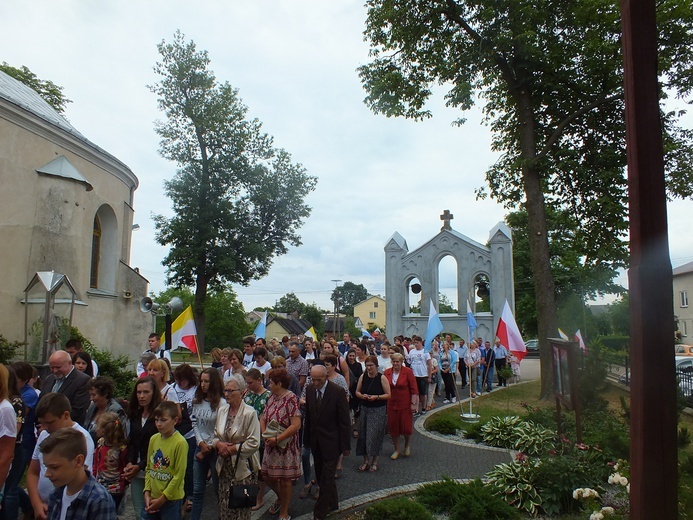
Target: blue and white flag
{"x":365,"y":333}
{"x":434,"y":328}
{"x":261,"y":327}
{"x":471,"y":321}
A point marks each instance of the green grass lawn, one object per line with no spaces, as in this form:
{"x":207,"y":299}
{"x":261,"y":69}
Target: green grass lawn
{"x":504,"y":402}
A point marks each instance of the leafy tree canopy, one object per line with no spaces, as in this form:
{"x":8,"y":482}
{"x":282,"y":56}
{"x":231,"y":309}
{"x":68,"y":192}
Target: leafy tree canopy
{"x":237,"y":200}
{"x":347,"y":295}
{"x":49,"y":91}
{"x":289,"y":303}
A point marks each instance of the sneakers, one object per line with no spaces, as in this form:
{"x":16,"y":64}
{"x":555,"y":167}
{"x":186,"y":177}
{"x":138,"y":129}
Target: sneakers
{"x":453,"y":400}
{"x":446,"y":401}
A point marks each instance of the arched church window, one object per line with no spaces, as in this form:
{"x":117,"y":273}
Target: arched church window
{"x":95,"y":253}
{"x":104,"y":250}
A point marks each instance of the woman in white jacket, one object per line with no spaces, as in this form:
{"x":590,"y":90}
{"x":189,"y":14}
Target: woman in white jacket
{"x":237,"y":428}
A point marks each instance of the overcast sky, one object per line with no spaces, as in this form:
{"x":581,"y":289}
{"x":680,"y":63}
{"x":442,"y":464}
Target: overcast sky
{"x":294,"y":63}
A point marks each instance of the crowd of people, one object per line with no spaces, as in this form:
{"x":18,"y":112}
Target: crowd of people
{"x":269,"y":415}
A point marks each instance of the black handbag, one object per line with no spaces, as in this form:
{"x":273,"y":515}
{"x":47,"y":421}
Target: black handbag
{"x":243,"y":495}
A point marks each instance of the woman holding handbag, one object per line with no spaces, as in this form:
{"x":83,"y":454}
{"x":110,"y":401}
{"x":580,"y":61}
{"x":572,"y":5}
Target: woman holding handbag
{"x":280,"y":422}
{"x":236,"y":439}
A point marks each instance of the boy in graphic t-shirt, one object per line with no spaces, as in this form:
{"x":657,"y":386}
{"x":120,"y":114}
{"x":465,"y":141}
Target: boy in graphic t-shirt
{"x":166,"y":463}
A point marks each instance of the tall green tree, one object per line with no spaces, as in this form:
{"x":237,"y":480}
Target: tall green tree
{"x":52,"y":93}
{"x":578,"y":272}
{"x":347,"y":295}
{"x":549,"y":75}
{"x":237,"y":200}
{"x":289,"y":303}
{"x":316,"y":316}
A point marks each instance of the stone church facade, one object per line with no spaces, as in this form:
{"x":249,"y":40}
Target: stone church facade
{"x":66,"y":206}
{"x":475,"y":262}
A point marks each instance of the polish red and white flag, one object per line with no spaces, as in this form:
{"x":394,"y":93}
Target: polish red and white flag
{"x":509,"y":335}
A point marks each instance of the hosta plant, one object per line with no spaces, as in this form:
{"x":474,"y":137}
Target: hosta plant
{"x":516,"y":483}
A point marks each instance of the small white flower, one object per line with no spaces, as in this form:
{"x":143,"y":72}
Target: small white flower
{"x":628,"y":488}
{"x":623,"y":481}
{"x":577,"y":493}
{"x":608,"y":510}
{"x":596,"y":516}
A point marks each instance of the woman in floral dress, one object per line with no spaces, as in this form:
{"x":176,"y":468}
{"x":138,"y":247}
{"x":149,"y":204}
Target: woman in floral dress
{"x":281,"y":466}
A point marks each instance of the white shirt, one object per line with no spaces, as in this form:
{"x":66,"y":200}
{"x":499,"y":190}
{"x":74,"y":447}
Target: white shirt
{"x":67,"y":502}
{"x":418,"y":361}
{"x":8,"y":420}
{"x":262,"y":368}
{"x":384,"y":363}
{"x":45,"y":486}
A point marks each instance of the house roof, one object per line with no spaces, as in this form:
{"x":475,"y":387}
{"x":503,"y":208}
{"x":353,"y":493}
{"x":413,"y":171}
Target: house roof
{"x":370,"y":298}
{"x":291,"y":325}
{"x":682,"y":269}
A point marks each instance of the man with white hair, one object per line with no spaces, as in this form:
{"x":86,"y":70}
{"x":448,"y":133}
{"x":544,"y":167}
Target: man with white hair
{"x":67,"y":380}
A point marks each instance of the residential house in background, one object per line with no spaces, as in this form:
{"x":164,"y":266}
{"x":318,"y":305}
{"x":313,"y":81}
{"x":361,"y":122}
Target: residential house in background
{"x":371,"y":312}
{"x":683,"y":289}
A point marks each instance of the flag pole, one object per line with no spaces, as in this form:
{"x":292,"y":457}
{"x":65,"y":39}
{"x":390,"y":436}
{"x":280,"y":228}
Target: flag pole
{"x":199,"y":357}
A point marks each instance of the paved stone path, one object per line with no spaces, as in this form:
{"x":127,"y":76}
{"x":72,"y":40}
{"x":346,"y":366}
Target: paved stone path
{"x":431,"y":459}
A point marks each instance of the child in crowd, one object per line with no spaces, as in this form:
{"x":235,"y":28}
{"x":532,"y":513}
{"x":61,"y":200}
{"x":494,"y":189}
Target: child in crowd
{"x":110,"y":455}
{"x":77,"y":495}
{"x":515,"y":365}
{"x":166,"y":463}
{"x":53,"y":413}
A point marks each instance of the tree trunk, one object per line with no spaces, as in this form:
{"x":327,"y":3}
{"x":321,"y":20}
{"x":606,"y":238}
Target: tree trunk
{"x":199,"y":310}
{"x":544,"y":287}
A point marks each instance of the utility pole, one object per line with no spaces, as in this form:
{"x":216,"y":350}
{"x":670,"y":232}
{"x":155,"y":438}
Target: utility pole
{"x":336,"y":308}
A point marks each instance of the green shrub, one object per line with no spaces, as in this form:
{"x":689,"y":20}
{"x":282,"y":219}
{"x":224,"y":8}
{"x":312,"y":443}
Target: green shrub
{"x":514,"y":433}
{"x":501,"y":431}
{"x":440,"y":497}
{"x":402,"y":508}
{"x":516,"y":483}
{"x":444,"y":424}
{"x":686,"y":465}
{"x":534,"y":439}
{"x":110,"y":365}
{"x":608,"y":431}
{"x":479,"y":501}
{"x":474,"y":431}
{"x":558,"y":476}
{"x":8,"y":350}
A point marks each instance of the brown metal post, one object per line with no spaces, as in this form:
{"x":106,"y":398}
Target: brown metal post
{"x":653,"y":491}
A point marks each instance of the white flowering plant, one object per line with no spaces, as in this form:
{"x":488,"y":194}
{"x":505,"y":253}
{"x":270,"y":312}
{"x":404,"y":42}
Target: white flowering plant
{"x":613,"y":501}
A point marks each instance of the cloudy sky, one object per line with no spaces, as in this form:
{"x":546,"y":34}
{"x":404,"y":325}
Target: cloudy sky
{"x":294,"y":62}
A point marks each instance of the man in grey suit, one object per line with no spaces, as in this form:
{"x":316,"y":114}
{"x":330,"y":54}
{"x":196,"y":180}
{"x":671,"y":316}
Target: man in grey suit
{"x":327,"y":432}
{"x":67,"y":380}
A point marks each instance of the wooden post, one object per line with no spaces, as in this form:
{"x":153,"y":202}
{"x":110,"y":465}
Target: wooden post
{"x":653,"y":491}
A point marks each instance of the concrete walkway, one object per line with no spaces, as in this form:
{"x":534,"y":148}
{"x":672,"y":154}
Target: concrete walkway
{"x":431,"y":459}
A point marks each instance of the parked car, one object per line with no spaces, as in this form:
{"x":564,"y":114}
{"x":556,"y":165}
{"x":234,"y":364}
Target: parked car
{"x":684,"y":370}
{"x":532,"y":346}
{"x":683,"y":350}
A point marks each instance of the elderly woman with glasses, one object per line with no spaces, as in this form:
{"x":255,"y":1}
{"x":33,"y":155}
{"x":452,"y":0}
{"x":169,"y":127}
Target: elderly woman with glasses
{"x":237,"y":428}
{"x":373,"y":389}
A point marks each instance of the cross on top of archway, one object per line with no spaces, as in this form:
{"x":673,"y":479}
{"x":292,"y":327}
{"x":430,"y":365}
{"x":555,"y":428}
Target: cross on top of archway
{"x":446,"y":217}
